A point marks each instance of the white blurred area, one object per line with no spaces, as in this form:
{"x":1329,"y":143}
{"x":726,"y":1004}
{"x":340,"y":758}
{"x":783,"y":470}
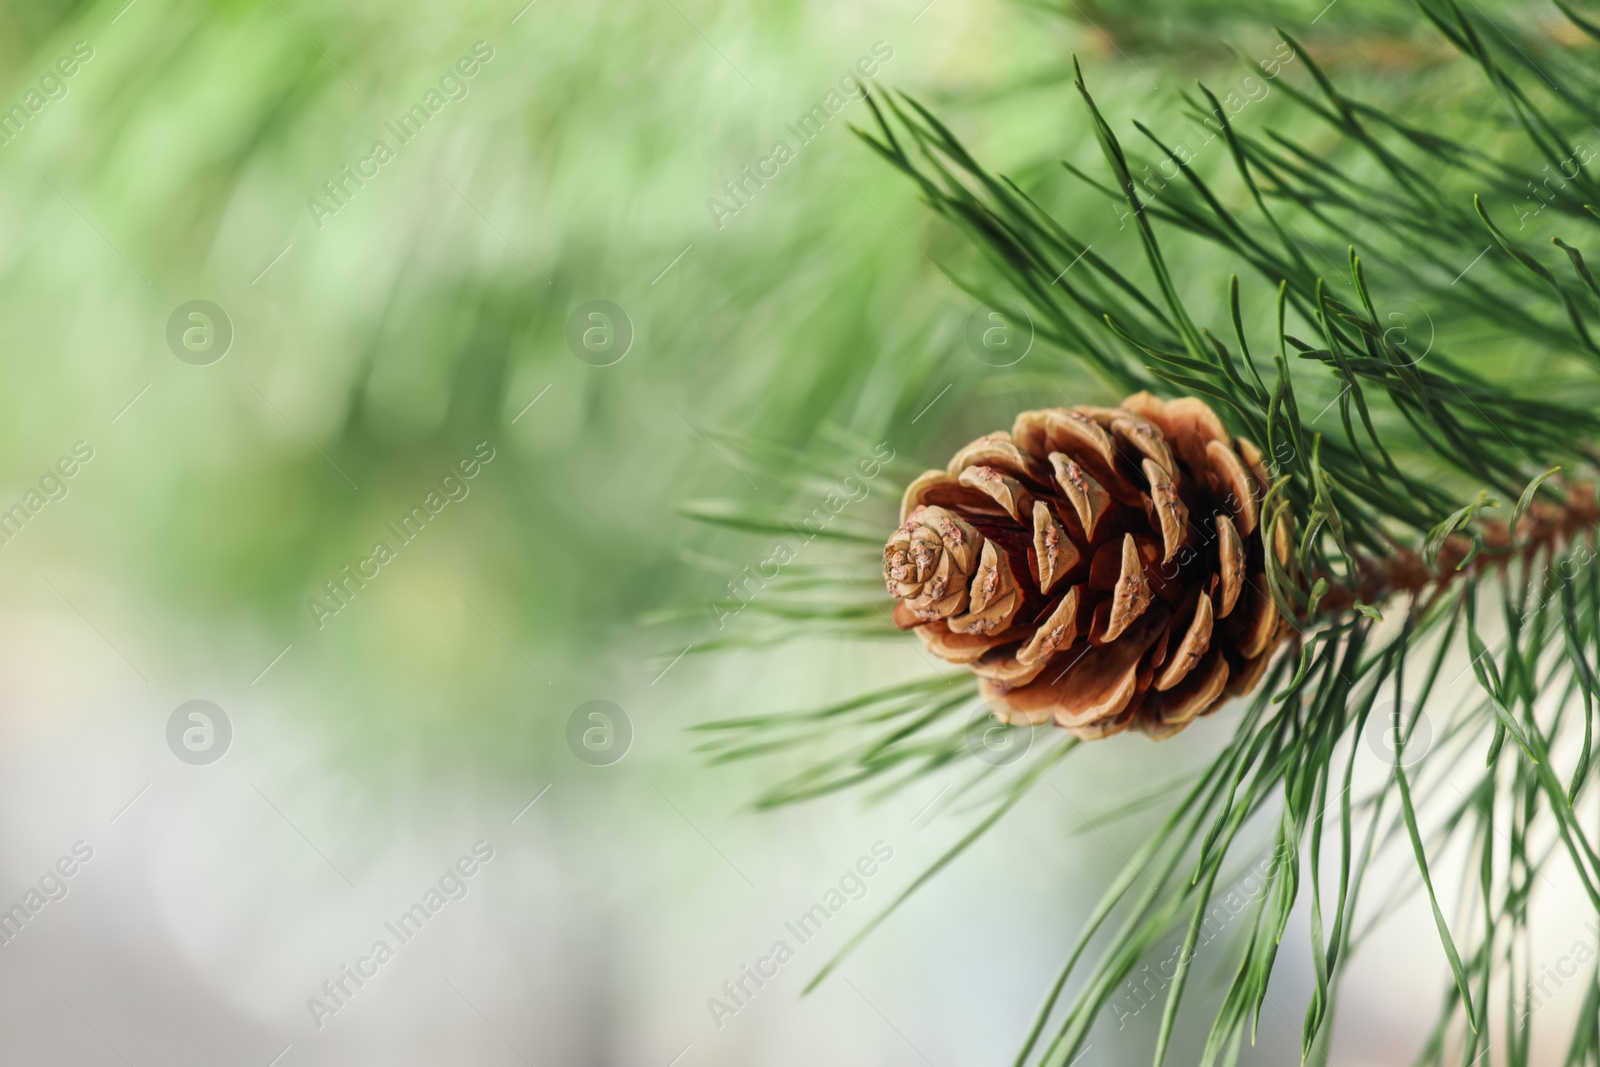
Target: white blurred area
{"x":219,"y":898}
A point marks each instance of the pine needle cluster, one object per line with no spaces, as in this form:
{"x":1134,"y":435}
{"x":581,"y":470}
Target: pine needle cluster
{"x":1445,"y":517}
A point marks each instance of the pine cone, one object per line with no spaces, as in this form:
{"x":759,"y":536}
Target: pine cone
{"x":1102,"y":567}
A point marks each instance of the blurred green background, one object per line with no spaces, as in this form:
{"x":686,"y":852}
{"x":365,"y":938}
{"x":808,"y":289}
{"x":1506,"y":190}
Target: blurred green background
{"x":374,"y":348}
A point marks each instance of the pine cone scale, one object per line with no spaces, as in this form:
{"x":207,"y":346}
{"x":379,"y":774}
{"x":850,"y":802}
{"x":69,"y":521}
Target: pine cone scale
{"x":1191,"y":650}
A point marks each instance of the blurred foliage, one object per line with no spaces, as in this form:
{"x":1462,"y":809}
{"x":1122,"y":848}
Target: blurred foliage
{"x":426,"y":314}
{"x":376,"y":349}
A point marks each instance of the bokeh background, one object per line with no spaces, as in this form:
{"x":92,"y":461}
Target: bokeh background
{"x":426,"y":320}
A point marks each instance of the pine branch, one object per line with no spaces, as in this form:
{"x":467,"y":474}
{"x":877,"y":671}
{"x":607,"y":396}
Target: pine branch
{"x":1393,"y":542}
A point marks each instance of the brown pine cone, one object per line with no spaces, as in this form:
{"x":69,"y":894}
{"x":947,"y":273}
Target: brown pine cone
{"x":1102,"y":567}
